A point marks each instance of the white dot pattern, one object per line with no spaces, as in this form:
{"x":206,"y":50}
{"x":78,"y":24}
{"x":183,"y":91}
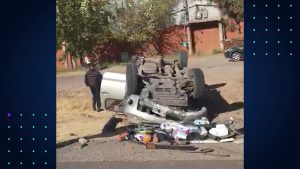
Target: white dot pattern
{"x":20,"y":144}
{"x":277,"y":21}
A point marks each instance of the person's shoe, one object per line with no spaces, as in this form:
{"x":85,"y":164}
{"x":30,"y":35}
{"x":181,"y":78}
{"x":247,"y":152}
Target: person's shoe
{"x":94,"y":109}
{"x":99,"y":110}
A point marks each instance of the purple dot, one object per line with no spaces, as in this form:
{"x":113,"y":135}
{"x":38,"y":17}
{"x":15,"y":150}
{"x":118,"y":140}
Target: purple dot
{"x":8,"y":114}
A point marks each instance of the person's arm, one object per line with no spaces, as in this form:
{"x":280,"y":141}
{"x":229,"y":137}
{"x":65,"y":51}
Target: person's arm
{"x":86,"y":80}
{"x":99,"y":78}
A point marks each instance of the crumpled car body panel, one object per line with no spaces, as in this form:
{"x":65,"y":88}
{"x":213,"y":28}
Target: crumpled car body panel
{"x":131,"y":108}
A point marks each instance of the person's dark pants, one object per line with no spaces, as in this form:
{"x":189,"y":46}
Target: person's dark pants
{"x":96,"y":97}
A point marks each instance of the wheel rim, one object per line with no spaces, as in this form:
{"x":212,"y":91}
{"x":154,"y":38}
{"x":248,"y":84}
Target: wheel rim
{"x":192,"y":84}
{"x":236,"y":56}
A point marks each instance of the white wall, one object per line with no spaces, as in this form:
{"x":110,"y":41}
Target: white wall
{"x":212,"y":11}
{"x":178,"y":15}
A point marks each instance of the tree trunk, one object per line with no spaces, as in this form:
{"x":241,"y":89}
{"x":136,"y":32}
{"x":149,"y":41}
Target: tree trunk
{"x":145,"y":48}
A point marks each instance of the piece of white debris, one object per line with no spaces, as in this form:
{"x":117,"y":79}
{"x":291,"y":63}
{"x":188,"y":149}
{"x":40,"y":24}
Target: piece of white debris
{"x":220,"y":130}
{"x":231,"y":120}
{"x":203,"y":141}
{"x":82,"y":141}
{"x":226,"y":140}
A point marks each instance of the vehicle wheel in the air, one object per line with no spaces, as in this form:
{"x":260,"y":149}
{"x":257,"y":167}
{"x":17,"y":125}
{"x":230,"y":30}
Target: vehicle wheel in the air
{"x":131,"y":79}
{"x":197,"y":77}
{"x":133,"y":59}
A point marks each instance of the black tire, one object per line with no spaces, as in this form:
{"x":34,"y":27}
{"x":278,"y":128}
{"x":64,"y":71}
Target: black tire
{"x":183,"y":59}
{"x":197,"y":76}
{"x":131,"y":79}
{"x":133,"y":59}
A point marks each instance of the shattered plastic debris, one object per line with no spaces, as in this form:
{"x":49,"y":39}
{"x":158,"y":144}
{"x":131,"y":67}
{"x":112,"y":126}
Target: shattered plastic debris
{"x":192,"y":128}
{"x":181,"y":132}
{"x":169,"y":127}
{"x":202,"y":121}
{"x":220,"y":130}
{"x":203,"y":141}
{"x":211,"y":141}
{"x":143,"y":138}
{"x":83,"y":142}
{"x":139,"y":137}
{"x":197,"y":133}
{"x":144,"y":130}
{"x":147,"y":138}
{"x":201,"y":131}
{"x":164,"y":136}
{"x":226,"y":140}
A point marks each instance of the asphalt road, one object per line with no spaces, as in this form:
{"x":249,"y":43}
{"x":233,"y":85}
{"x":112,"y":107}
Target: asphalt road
{"x":108,"y":150}
{"x":205,"y":164}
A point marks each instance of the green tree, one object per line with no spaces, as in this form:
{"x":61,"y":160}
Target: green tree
{"x":81,"y":24}
{"x":231,"y":9}
{"x":84,"y":24}
{"x":138,"y":22}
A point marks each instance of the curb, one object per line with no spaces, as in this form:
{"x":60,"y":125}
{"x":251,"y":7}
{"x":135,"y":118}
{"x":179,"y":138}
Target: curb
{"x":66,"y":143}
{"x":105,"y":138}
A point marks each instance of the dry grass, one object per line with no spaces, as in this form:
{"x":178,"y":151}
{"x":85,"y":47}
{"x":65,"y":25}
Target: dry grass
{"x":75,"y":117}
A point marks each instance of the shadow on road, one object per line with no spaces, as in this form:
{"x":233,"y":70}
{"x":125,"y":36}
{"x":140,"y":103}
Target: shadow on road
{"x":215,"y":103}
{"x":215,"y":86}
{"x":110,"y":129}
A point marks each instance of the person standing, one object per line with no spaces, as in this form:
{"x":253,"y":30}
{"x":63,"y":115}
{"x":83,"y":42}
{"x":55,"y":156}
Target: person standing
{"x":93,"y":80}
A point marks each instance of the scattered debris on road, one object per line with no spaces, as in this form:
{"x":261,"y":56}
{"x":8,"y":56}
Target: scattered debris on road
{"x":83,"y":142}
{"x":181,"y":136}
{"x":72,"y":134}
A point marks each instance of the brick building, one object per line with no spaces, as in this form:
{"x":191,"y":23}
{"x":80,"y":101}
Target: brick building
{"x":197,"y":30}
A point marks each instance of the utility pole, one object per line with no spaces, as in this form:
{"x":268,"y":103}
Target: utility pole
{"x":187,"y":19}
{"x":67,"y":56}
{"x":188,"y":28}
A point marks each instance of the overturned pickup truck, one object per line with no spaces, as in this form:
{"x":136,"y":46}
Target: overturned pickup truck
{"x":168,"y":83}
{"x":159,"y":89}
